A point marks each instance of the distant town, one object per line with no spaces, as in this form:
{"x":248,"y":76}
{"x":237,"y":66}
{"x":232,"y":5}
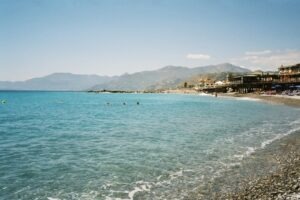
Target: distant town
{"x":285,"y":81}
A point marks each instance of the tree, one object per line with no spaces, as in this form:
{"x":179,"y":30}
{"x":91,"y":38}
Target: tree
{"x":185,"y":85}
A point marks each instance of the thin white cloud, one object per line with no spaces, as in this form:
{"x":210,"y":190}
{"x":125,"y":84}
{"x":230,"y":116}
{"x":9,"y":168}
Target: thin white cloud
{"x":198,"y":56}
{"x":275,"y":59}
{"x":257,"y":53}
{"x":268,"y":60}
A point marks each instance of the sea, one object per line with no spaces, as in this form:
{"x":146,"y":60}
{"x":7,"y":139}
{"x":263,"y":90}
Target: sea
{"x":88,"y":146}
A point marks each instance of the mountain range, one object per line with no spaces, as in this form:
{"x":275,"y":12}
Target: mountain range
{"x":56,"y":81}
{"x":166,"y":77}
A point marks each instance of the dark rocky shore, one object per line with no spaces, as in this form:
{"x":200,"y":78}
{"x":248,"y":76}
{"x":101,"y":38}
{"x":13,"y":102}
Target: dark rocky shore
{"x":270,"y":173}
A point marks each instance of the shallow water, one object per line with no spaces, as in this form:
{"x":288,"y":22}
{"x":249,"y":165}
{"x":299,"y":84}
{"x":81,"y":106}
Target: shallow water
{"x":72,"y":145}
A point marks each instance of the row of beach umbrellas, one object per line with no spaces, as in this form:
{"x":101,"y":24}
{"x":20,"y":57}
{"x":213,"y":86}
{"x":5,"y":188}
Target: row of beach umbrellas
{"x":291,"y":87}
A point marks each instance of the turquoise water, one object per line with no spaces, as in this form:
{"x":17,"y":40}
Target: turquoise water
{"x":68,"y":145}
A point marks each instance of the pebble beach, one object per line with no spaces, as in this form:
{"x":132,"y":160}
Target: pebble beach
{"x":278,"y":174}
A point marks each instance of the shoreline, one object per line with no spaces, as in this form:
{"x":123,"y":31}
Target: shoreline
{"x":281,"y":177}
{"x":278,"y":174}
{"x":278,"y":177}
{"x":293,"y":101}
{"x":272,"y":172}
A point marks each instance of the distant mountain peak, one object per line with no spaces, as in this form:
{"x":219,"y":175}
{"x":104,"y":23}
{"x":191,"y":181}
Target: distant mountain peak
{"x":166,"y":77}
{"x":172,"y":67}
{"x":57,"y":81}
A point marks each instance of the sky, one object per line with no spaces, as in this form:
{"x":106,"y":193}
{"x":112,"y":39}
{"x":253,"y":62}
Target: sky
{"x":113,"y":37}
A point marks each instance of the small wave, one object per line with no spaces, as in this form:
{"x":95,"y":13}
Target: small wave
{"x":248,"y":99}
{"x":110,"y":198}
{"x":241,"y":98}
{"x":144,"y":186}
{"x":141,"y":186}
{"x":161,"y":181}
{"x":265,"y":143}
{"x":251,"y":150}
{"x":295,"y":122}
{"x":204,"y":94}
{"x":51,"y":198}
{"x":176,"y":174}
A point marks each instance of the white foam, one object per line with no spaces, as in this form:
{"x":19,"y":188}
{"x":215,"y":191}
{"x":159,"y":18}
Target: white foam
{"x":248,"y":152}
{"x":251,"y":150}
{"x":105,"y":186}
{"x":241,"y":98}
{"x":295,"y":122}
{"x":158,"y":178}
{"x":247,"y":99}
{"x":142,"y":186}
{"x":204,"y":94}
{"x":265,"y":143}
{"x":176,"y":174}
{"x":110,"y":198}
{"x":132,"y":193}
{"x":51,"y":198}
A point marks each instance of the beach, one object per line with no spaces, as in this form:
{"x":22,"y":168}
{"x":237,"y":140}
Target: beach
{"x":272,"y":172}
{"x":277,"y":99}
{"x":293,"y":101}
{"x":269,"y":173}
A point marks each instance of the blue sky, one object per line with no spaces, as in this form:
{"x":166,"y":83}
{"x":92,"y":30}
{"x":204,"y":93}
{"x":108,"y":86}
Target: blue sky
{"x":111,"y":37}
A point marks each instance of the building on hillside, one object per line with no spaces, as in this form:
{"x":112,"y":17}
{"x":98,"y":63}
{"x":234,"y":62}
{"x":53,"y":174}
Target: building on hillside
{"x":289,"y":74}
{"x":255,"y":77}
{"x":205,"y":83}
{"x":254,"y":82}
{"x":269,"y":77}
{"x":245,"y":79}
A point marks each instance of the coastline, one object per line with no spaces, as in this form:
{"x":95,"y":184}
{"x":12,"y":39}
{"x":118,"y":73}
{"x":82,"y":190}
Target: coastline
{"x":269,"y":173}
{"x":293,"y":101}
{"x":279,"y":176}
{"x":272,"y":172}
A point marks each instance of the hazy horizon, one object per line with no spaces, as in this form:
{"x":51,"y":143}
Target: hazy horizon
{"x":38,"y":38}
{"x":90,"y":74}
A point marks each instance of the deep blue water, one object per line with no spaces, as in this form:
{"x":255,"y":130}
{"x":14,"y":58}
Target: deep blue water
{"x":73,"y":145}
